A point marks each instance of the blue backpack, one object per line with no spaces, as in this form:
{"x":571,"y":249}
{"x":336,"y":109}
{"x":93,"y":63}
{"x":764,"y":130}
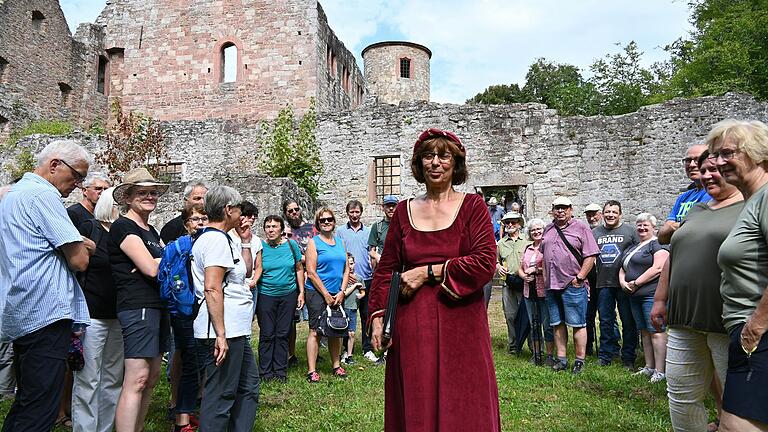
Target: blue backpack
{"x":177,"y":289}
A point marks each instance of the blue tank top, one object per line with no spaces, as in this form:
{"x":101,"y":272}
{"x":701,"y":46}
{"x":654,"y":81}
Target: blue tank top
{"x":331,"y":262}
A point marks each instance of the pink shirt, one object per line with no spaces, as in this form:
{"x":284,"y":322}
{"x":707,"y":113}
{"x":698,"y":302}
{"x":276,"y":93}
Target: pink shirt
{"x":560,"y":266}
{"x":532,"y":257}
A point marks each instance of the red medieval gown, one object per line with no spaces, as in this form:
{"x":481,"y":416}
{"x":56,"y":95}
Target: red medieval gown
{"x":440,"y":374}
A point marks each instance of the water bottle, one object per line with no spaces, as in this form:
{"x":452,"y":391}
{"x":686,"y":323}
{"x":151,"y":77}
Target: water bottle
{"x":178,"y":284}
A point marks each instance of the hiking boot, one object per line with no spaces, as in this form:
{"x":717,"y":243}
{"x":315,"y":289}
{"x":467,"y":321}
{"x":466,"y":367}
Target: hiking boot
{"x":560,"y":365}
{"x":604,"y":362}
{"x":339,"y":372}
{"x":578,"y":365}
{"x":645,"y":371}
{"x":313,"y":377}
{"x":549,"y":361}
{"x":658,"y":377}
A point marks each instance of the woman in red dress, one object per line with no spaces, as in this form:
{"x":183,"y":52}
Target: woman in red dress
{"x":440,"y":373}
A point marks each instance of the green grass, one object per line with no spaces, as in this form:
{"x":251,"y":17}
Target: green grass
{"x":531,"y":398}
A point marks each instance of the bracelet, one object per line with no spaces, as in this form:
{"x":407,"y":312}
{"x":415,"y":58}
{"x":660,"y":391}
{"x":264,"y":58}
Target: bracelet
{"x":245,"y":245}
{"x":430,"y":274}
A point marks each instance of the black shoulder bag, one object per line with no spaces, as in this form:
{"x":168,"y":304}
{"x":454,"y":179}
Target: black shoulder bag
{"x":570,"y":247}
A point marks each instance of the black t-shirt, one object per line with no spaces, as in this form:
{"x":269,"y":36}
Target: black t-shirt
{"x":612,"y":243}
{"x":641,"y":261}
{"x":134,"y":290}
{"x":173,"y":230}
{"x":78,"y":214}
{"x":96,"y":281}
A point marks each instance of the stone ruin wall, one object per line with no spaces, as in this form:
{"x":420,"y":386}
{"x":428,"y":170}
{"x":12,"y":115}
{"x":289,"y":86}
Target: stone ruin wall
{"x":382,"y":72}
{"x":340,"y":84}
{"x":634,"y":158}
{"x":45,"y":73}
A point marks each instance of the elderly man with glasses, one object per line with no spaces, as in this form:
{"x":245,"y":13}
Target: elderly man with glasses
{"x":509,"y":252}
{"x":694,"y":194}
{"x":93,"y":185}
{"x":40,"y":299}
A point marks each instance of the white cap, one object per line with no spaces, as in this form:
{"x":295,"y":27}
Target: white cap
{"x":562,"y":201}
{"x":592,"y":207}
{"x":493,"y":201}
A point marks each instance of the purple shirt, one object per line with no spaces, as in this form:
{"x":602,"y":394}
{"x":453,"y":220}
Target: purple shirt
{"x":560,"y":266}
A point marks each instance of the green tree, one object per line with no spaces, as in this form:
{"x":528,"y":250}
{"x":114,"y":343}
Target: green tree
{"x":290,"y":150}
{"x":500,"y":94}
{"x":727,"y":51}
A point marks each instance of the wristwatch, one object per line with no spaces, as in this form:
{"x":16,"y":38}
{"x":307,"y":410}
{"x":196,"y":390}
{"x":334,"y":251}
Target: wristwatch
{"x":579,"y":280}
{"x":430,"y":274}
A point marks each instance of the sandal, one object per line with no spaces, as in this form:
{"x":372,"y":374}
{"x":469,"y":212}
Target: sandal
{"x":339,"y":372}
{"x":64,"y":421}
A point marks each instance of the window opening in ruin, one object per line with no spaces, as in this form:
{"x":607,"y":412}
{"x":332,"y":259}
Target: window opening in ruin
{"x":506,"y":195}
{"x":3,"y":70}
{"x":170,"y":172}
{"x":37,"y":19}
{"x":228,"y":63}
{"x":333,"y":64}
{"x":101,"y":77}
{"x":387,"y":169}
{"x":66,"y":91}
{"x":405,"y":67}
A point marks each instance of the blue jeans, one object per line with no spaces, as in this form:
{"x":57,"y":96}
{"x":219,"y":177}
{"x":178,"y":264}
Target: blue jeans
{"x":607,"y":300}
{"x":568,"y":306}
{"x":641,"y":311}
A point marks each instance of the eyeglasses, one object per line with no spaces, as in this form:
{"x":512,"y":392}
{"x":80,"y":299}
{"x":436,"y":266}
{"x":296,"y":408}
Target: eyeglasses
{"x":78,"y":177}
{"x":97,"y":188}
{"x":510,"y":222}
{"x":154,"y":193}
{"x":725,"y":154}
{"x":442,"y":157}
{"x":287,"y":235}
{"x":688,"y":160}
{"x":293,"y":210}
{"x":197,"y":219}
{"x":326,"y":220}
{"x":561,"y":208}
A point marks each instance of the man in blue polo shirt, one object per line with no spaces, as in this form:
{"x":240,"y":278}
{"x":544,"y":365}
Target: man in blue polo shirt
{"x":693,"y":195}
{"x":40,"y":298}
{"x":355,"y":237}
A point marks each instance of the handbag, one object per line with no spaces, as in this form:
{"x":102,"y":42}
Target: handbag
{"x":333,"y":322}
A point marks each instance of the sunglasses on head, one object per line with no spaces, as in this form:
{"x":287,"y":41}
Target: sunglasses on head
{"x":326,"y":220}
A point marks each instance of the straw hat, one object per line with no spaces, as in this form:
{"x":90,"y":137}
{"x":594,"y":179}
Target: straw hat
{"x":136,"y":177}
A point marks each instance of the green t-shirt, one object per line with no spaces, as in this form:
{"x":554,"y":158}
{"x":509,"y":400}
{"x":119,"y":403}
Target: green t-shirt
{"x":743,"y":258}
{"x":694,"y":284}
{"x":378,"y":235}
{"x":511,"y":252}
{"x":278,"y":277}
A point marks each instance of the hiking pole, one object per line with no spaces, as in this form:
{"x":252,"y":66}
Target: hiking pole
{"x":535,"y":323}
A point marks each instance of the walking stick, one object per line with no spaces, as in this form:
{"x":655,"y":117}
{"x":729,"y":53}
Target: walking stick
{"x":535,"y":323}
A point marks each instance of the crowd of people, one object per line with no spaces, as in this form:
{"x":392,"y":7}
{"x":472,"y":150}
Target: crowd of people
{"x":82,"y":341}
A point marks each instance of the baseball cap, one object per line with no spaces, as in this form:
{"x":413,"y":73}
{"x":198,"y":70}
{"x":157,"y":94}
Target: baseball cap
{"x":390,"y":199}
{"x":562,"y":201}
{"x":592,"y":207}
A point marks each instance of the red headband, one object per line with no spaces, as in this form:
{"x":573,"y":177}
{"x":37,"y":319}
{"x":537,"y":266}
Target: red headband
{"x":432,"y":133}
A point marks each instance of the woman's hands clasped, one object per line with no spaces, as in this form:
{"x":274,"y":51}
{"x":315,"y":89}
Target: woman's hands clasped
{"x":412,"y":280}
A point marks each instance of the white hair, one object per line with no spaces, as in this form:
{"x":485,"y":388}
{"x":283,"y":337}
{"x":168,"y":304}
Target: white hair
{"x":646,"y":217}
{"x":104,"y":210}
{"x":95,"y":176}
{"x":67,"y":150}
{"x":192,"y":185}
{"x":532,"y":223}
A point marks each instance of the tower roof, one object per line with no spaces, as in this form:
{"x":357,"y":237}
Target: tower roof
{"x":397,"y":43}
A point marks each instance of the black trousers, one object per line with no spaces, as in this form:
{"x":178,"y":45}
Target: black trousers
{"x":40,"y":361}
{"x":362,"y":309}
{"x":275,"y":317}
{"x":592,"y":313}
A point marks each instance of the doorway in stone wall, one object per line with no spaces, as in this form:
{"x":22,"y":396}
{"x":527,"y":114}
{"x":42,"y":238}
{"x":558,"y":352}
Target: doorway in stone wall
{"x":506,"y":195}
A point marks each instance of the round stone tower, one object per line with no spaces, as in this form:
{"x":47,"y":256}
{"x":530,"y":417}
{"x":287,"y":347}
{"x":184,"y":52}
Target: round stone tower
{"x":397,"y":71}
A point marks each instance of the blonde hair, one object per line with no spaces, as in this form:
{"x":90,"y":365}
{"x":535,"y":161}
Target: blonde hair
{"x":750,"y":137}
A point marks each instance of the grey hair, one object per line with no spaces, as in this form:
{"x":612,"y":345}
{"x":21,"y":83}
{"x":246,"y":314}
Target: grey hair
{"x":534,"y":222}
{"x":94,"y":177}
{"x":217,"y":199}
{"x":646,"y":217}
{"x":191,"y":186}
{"x":67,"y":150}
{"x":104,"y":210}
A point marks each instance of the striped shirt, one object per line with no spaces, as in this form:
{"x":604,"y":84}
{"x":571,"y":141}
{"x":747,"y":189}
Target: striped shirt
{"x":37,"y":288}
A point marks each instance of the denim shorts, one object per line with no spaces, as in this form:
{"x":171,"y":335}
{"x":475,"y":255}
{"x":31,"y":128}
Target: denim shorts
{"x":569,"y":305}
{"x":641,"y":312}
{"x":352,"y":315}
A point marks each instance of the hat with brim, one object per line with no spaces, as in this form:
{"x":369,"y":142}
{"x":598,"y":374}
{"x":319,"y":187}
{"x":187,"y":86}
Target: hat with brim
{"x":512,"y":216}
{"x":136,"y":177}
{"x":562,"y":201}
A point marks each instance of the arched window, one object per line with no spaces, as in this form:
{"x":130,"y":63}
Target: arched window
{"x":3,"y":70}
{"x":228,"y":62}
{"x":101,"y":77}
{"x":37,"y":19}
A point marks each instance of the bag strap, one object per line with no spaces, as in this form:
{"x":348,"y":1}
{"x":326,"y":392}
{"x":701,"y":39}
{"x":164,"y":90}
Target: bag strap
{"x":570,"y":247}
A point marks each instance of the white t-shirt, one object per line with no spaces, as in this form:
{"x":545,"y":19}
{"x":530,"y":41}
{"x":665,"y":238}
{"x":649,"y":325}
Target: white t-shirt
{"x":212,"y":249}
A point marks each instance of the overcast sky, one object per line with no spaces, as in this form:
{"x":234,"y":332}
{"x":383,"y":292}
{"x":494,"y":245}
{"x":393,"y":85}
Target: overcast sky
{"x":477,"y":43}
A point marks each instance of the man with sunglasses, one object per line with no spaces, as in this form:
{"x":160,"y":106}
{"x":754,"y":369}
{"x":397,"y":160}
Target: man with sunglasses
{"x":40,"y":299}
{"x":93,"y":185}
{"x":302,"y":230}
{"x":694,"y":194}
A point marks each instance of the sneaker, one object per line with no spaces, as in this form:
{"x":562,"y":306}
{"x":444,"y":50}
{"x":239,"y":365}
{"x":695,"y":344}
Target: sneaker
{"x":560,"y":366}
{"x":380,"y":361}
{"x":339,"y":372}
{"x":313,"y":377}
{"x":293,"y":361}
{"x":658,"y":377}
{"x":549,"y":361}
{"x":645,"y":371}
{"x":578,"y":365}
{"x":348,"y":360}
{"x":371,"y":356}
{"x":344,"y":356}
{"x":604,"y":362}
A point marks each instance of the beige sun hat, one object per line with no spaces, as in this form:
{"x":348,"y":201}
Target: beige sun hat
{"x":136,"y":177}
